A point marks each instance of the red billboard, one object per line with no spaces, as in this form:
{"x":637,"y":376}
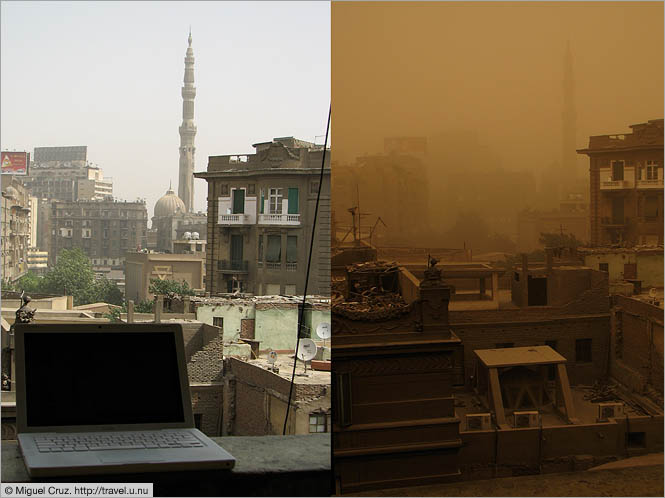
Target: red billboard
{"x":14,"y":163}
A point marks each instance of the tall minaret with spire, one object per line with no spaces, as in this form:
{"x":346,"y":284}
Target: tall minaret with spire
{"x":187,"y":132}
{"x":569,"y":171}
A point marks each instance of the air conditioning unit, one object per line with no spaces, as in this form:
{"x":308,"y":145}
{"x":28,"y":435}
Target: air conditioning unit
{"x":478,"y":421}
{"x":607,"y":411}
{"x":526,"y":419}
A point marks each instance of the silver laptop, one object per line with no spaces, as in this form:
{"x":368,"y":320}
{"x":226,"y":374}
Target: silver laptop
{"x":107,"y":398}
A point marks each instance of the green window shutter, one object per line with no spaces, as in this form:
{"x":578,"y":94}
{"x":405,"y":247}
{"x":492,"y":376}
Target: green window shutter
{"x":292,"y":249}
{"x":293,"y":201}
{"x":238,"y":201}
{"x":263,"y":198}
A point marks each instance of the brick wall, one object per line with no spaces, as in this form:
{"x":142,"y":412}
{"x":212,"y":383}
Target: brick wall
{"x":255,"y":399}
{"x":207,"y":402}
{"x":524,"y":332}
{"x":637,"y":339}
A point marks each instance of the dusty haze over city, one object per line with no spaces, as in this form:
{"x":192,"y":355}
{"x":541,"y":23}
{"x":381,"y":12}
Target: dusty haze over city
{"x":108,"y":75}
{"x":483,"y":82}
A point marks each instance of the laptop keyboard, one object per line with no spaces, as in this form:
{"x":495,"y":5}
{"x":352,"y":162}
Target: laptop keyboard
{"x":115,"y":441}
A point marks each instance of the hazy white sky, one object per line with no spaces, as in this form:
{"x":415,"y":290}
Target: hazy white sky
{"x":108,"y":75}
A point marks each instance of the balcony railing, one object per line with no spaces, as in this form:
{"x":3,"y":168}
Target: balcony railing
{"x":233,"y":219}
{"x":613,"y":222}
{"x":650,"y":183}
{"x":291,"y":266}
{"x":233,"y":266}
{"x":273,"y":266}
{"x":614,"y":184}
{"x":279,"y":219}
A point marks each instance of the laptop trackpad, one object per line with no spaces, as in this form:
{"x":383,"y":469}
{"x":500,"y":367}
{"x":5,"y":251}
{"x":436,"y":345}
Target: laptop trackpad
{"x":130,"y":456}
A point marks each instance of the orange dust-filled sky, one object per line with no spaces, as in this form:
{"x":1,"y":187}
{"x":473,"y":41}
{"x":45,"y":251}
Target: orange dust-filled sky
{"x":494,"y":70}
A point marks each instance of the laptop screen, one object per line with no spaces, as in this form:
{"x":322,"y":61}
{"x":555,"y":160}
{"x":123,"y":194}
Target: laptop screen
{"x":101,"y":378}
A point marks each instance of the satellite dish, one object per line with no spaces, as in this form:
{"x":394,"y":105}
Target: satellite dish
{"x":323,"y":330}
{"x":187,"y":235}
{"x":195,"y":235}
{"x":652,"y":292}
{"x":306,"y":350}
{"x":272,"y":357}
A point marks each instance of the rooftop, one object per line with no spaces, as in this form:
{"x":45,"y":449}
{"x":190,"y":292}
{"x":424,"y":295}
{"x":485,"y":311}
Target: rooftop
{"x":647,"y":135}
{"x":284,"y":363}
{"x":509,"y":357}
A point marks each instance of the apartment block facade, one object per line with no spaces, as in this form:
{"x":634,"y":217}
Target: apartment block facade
{"x":261,"y":211}
{"x":64,"y":173}
{"x":104,"y":230}
{"x":626,"y":186}
{"x":16,"y":228}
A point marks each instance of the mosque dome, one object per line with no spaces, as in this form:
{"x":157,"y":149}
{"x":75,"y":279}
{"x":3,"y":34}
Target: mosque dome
{"x":11,"y":193}
{"x":169,"y":204}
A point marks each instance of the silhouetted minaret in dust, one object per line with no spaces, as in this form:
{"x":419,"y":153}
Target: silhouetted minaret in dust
{"x":568,"y":127}
{"x":187,"y":132}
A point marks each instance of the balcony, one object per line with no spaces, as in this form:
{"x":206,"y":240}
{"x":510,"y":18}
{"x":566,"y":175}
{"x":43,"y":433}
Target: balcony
{"x":279,"y":219}
{"x":650,"y":184}
{"x":615,"y":184}
{"x":273,"y":266}
{"x":233,"y":219}
{"x":226,"y":266}
{"x":291,"y":266}
{"x":613,"y":222}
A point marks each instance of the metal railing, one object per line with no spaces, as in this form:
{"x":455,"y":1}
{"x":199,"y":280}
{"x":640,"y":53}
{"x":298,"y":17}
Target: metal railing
{"x":233,"y":265}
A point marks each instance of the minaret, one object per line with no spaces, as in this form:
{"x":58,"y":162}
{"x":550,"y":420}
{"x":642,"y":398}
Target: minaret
{"x":568,"y":171}
{"x":187,"y":132}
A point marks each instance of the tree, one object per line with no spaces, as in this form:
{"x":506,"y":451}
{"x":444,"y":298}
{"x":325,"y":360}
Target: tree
{"x":7,"y":285}
{"x":30,"y":283}
{"x":559,"y":240}
{"x":170,"y":288}
{"x":71,"y":275}
{"x":102,"y":290}
{"x":144,"y":307}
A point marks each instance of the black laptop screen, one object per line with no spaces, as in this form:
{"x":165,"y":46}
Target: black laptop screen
{"x":101,"y":378}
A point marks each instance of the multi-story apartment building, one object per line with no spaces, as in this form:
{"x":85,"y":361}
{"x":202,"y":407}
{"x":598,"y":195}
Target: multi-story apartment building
{"x":15,"y":228}
{"x":104,"y":230}
{"x":626,"y":191}
{"x":63,"y":173}
{"x":260,"y":218}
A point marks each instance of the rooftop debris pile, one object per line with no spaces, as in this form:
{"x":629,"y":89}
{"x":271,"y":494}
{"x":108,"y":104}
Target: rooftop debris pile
{"x":371,"y":292}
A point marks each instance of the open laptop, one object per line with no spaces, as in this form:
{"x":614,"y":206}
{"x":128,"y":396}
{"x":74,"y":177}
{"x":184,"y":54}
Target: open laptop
{"x":107,"y":399}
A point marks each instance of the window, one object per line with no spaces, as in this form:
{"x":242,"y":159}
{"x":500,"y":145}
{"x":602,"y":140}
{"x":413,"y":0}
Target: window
{"x":617,"y":170}
{"x":651,"y":207}
{"x":274,"y":254}
{"x":292,"y":249}
{"x":218,"y":321}
{"x":275,"y":197}
{"x":583,"y":350}
{"x":635,"y":439}
{"x":238,"y":201}
{"x":293,"y":201}
{"x":604,"y":267}
{"x":652,"y":170}
{"x":317,"y":422}
{"x":260,"y":249}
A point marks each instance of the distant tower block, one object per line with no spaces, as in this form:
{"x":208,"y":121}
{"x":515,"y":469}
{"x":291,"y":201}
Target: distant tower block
{"x":568,"y":146}
{"x":187,"y":133}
